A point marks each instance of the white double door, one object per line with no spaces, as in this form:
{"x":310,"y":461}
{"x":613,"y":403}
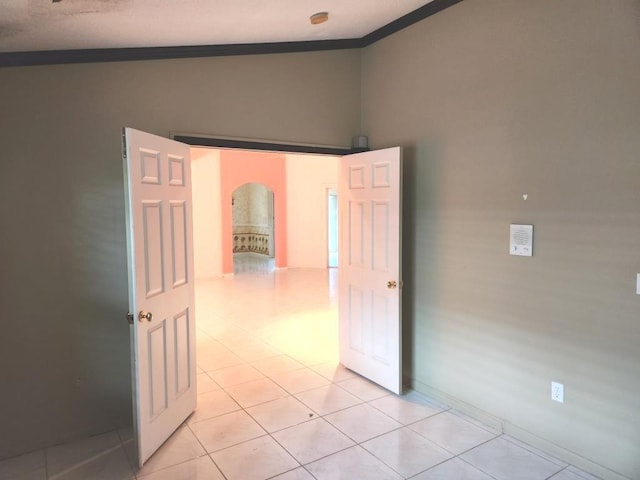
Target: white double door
{"x":161,"y":284}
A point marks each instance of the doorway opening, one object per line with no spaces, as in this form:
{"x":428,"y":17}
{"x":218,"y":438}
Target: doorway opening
{"x":276,"y":205}
{"x":304,"y":202}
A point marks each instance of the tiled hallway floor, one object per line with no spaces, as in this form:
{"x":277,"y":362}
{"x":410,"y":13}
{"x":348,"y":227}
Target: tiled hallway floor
{"x":273,"y":403}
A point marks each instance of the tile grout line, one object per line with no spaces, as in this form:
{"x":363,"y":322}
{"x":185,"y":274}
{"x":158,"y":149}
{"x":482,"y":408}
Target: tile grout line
{"x":459,"y":456}
{"x":206,"y":453}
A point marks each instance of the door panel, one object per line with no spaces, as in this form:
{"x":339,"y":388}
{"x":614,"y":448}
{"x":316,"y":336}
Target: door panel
{"x":357,"y":234}
{"x":153,"y":261}
{"x":160,"y":251}
{"x":157,"y":369}
{"x":370,"y":199}
{"x":176,"y":171}
{"x":183,"y":352}
{"x":179,"y":243}
{"x":356,"y":307}
{"x":380,"y":243}
{"x":381,"y":350}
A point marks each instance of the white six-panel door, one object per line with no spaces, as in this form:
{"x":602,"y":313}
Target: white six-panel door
{"x":161,"y":288}
{"x":369,"y":298}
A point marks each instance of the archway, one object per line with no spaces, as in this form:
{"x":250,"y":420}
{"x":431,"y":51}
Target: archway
{"x":238,"y":168}
{"x":253,"y":225}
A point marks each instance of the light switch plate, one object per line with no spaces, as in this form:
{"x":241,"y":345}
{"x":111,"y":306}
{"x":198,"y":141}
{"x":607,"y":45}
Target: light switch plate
{"x":638,"y":284}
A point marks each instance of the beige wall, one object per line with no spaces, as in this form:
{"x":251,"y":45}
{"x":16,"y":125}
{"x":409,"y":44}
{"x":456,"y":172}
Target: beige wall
{"x":494,"y":99}
{"x":64,"y":353}
{"x":207,"y":217}
{"x":308,"y":178}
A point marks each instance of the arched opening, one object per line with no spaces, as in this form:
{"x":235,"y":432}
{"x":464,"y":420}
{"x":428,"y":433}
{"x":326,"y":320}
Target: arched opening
{"x":238,"y":168}
{"x":253,"y":227}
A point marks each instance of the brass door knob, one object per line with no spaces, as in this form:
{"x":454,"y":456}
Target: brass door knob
{"x":142,"y":316}
{"x":391,"y":284}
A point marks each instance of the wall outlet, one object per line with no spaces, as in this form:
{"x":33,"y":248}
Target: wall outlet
{"x":557,"y":392}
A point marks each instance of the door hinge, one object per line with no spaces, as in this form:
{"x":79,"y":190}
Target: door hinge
{"x":130,"y":318}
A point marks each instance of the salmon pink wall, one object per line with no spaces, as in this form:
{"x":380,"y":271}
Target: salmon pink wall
{"x":240,"y":167}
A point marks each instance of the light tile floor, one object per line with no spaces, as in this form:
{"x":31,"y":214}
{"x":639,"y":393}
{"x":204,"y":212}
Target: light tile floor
{"x":273,"y":403}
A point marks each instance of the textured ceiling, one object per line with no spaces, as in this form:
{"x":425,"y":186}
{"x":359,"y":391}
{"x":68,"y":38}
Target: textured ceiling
{"x":32,"y":25}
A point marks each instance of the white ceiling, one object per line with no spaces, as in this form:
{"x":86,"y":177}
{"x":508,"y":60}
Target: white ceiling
{"x":31,"y":25}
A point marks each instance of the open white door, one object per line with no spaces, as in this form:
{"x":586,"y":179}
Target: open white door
{"x":161,"y":289}
{"x":369,"y":299}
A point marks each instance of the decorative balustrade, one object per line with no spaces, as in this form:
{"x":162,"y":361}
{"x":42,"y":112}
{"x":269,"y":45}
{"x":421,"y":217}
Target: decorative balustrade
{"x":251,"y":239}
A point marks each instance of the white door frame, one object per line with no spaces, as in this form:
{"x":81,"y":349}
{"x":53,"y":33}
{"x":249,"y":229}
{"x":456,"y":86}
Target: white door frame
{"x":327,"y":194}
